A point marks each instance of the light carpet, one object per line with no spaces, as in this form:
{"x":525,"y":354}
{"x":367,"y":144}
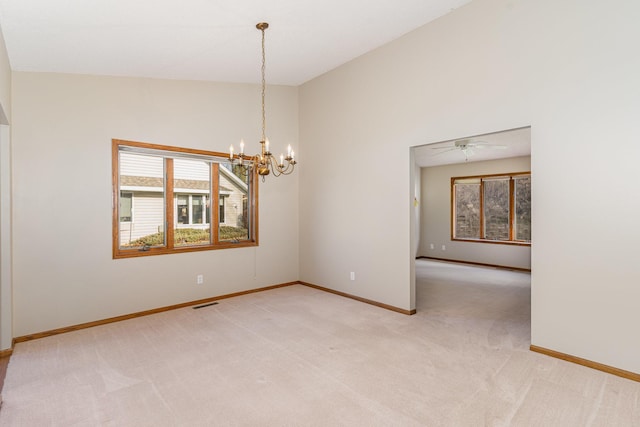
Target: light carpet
{"x":297,"y":356}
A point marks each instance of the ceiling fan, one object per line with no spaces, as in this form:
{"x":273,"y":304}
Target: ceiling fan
{"x":467,"y":146}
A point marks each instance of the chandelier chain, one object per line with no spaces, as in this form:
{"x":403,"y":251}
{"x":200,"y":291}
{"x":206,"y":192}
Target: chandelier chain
{"x":264,"y":84}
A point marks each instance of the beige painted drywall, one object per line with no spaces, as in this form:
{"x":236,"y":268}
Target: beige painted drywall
{"x":64,"y":273}
{"x":5,"y":201}
{"x":435,"y":218}
{"x":5,"y":83}
{"x":6,"y":309}
{"x":568,"y":70}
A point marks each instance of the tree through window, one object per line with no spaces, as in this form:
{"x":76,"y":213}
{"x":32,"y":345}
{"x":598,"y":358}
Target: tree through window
{"x":492,"y":208}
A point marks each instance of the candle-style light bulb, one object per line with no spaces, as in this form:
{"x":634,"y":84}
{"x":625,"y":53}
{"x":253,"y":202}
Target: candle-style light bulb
{"x":292,"y":154}
{"x":231,"y":152}
{"x":266,"y":142}
{"x":241,"y":146}
{"x":289,"y":150}
{"x":281,"y":159}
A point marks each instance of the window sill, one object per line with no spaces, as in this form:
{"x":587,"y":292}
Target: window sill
{"x":498,"y":242}
{"x":134,"y":253}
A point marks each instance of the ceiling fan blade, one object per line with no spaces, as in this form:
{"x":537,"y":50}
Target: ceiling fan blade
{"x":487,"y":145}
{"x":448,"y":149}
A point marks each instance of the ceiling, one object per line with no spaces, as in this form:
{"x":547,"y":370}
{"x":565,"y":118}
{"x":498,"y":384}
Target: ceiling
{"x":216,"y":40}
{"x":213,"y":40}
{"x":497,"y":145}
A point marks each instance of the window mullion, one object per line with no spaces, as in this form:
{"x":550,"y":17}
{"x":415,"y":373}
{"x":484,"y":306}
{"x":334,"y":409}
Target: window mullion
{"x":169,"y":204}
{"x":512,"y":209}
{"x":203,"y":211}
{"x":453,"y":197}
{"x":482,"y":218}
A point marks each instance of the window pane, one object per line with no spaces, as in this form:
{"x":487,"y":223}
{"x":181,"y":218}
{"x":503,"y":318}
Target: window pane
{"x":496,"y":209}
{"x":207,"y":214}
{"x":182,"y":215}
{"x":197,"y":203}
{"x":234,"y":191}
{"x":192,"y":187}
{"x":523,"y":208}
{"x":467,"y":211}
{"x":221,"y":209}
{"x":141,"y":178}
{"x":125,"y":207}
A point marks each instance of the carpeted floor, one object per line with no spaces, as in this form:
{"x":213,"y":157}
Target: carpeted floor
{"x":297,"y":356}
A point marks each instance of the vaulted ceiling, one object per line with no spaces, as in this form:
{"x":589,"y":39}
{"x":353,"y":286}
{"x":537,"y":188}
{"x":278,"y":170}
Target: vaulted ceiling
{"x":213,"y":40}
{"x":216,"y":40}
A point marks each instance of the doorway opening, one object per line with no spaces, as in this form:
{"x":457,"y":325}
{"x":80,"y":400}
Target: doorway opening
{"x":444,"y":266}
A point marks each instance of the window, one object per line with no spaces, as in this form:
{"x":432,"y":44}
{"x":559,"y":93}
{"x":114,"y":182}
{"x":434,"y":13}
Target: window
{"x":492,"y":208}
{"x":164,"y":197}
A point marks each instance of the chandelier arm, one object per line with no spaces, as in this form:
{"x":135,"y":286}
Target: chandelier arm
{"x":289,"y":170}
{"x":273,"y":165}
{"x":281,"y":169}
{"x":284,"y":169}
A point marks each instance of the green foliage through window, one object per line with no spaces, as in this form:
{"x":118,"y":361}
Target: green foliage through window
{"x":191,"y":236}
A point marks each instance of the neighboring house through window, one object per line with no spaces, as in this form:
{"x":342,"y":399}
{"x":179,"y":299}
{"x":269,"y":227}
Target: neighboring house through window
{"x":165,"y":196}
{"x":192,"y":209}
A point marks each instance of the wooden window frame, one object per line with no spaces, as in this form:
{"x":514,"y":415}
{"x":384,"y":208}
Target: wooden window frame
{"x":169,"y":202}
{"x":483,"y":239}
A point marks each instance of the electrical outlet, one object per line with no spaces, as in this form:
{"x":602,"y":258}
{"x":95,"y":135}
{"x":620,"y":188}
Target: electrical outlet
{"x":431,"y":246}
{"x":444,"y":248}
{"x":353,"y":275}
{"x":199,"y":279}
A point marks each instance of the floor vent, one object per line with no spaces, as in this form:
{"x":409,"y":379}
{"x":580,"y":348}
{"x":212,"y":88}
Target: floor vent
{"x":204,"y":305}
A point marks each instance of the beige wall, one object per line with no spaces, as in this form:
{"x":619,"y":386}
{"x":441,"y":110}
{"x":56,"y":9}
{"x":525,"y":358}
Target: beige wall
{"x":435,"y":220}
{"x":62,"y":131}
{"x":565,"y":69}
{"x":5,"y":200}
{"x":5,"y":83}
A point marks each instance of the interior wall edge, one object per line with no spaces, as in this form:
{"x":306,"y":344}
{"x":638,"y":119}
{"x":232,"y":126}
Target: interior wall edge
{"x":481,"y":264}
{"x":364,"y":300}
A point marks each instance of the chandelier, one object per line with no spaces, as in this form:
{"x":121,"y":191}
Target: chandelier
{"x":264,"y":163}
